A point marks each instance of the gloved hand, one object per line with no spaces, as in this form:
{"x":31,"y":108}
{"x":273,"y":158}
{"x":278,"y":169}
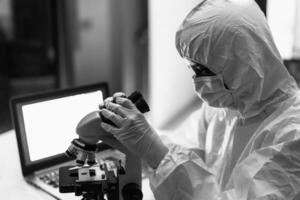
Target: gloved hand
{"x":133,"y":130}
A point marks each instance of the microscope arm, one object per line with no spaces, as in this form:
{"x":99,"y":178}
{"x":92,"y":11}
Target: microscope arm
{"x":90,"y":131}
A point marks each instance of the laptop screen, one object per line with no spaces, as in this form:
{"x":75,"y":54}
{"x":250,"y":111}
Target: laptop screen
{"x":45,"y":124}
{"x":50,"y":125}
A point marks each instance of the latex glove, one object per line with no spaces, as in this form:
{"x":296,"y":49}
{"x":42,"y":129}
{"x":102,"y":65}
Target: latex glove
{"x":110,"y":99}
{"x":133,"y":131}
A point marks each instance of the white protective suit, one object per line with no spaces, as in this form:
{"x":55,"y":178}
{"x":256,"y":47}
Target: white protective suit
{"x":249,"y":154}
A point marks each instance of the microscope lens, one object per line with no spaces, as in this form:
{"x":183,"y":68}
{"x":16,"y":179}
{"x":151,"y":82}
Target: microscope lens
{"x":71,"y":151}
{"x":81,"y":157}
{"x":91,"y":160}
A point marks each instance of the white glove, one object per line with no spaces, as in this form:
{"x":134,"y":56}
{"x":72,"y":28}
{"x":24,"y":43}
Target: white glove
{"x":133,"y":130}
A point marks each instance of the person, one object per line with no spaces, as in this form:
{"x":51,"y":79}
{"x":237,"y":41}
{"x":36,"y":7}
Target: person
{"x":248,"y":126}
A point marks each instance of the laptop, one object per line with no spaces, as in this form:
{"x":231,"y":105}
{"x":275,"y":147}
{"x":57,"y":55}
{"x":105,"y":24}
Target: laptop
{"x":45,"y":125}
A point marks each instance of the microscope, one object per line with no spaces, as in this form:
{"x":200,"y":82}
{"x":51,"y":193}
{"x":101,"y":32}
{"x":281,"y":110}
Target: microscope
{"x":104,"y":179}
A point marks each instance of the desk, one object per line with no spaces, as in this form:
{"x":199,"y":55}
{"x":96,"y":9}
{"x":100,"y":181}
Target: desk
{"x":12,"y":184}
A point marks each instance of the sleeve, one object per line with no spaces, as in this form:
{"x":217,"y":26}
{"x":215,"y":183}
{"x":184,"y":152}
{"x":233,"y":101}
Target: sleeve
{"x":184,"y":161}
{"x":270,"y":171}
{"x":182,"y":175}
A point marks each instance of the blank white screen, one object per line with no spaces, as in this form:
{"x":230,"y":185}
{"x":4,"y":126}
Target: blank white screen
{"x":50,"y":125}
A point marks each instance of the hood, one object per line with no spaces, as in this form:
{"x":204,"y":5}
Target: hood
{"x":232,"y":38}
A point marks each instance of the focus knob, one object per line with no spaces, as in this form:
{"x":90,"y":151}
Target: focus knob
{"x":132,"y":191}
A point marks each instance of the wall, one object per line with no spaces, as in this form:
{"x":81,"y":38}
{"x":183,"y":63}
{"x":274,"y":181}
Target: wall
{"x":107,"y":47}
{"x":92,"y":49}
{"x":133,"y":31}
{"x":284,"y":21}
{"x":108,"y":43}
{"x":171,"y":91}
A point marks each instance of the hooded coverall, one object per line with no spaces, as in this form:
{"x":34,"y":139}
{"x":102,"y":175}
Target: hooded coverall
{"x":248,"y":153}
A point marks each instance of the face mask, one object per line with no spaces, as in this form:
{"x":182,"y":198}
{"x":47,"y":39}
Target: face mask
{"x":211,"y":89}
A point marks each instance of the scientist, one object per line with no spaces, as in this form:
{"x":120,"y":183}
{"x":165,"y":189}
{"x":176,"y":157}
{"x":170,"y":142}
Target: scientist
{"x":248,"y":126}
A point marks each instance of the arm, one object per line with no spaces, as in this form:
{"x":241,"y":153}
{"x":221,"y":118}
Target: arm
{"x":180,"y":174}
{"x":269,"y":168}
{"x":183,"y":173}
{"x":173,"y":166}
{"x":269,"y":171}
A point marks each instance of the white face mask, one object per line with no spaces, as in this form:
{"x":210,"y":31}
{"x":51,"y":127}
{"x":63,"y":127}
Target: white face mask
{"x":211,"y":89}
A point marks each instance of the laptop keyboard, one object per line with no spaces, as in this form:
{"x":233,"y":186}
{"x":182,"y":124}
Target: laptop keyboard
{"x":50,"y":178}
